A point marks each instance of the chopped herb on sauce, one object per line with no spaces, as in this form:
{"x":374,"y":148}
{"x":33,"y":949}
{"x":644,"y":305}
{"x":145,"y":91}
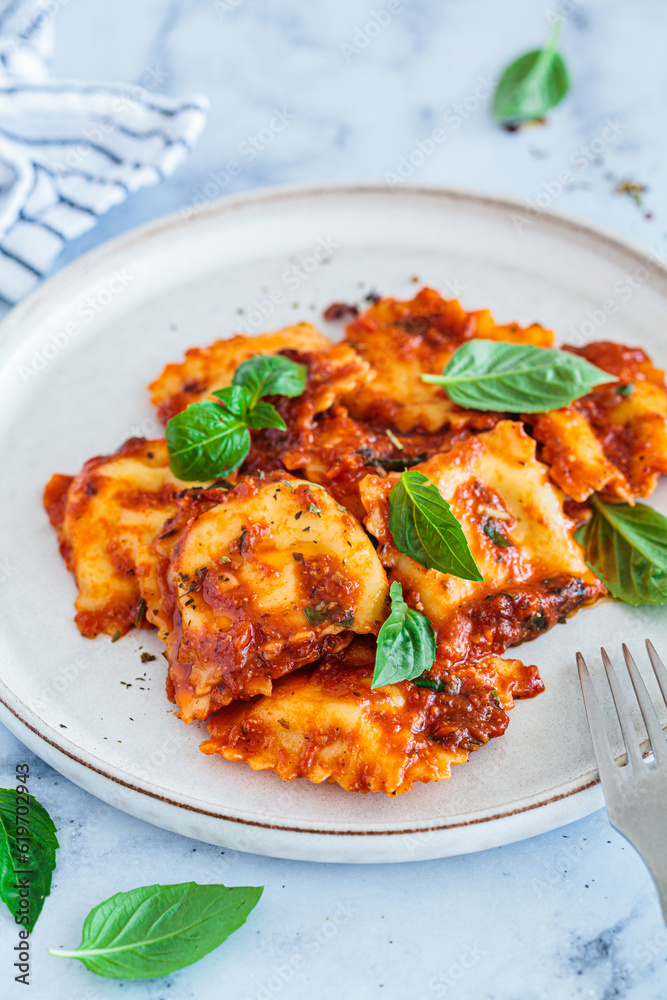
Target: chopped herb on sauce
{"x":141,"y":611}
{"x":492,"y":530}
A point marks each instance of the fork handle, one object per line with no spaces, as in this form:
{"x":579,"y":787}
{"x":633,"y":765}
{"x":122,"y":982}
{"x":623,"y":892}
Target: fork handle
{"x":656,"y":862}
{"x":661,"y":886}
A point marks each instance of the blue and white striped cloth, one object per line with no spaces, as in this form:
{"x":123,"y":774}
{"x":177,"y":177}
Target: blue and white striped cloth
{"x":69,"y":151}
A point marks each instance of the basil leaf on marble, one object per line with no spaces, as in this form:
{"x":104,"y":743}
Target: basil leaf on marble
{"x":424,"y":528}
{"x":405,"y":645}
{"x":28,"y":845}
{"x":157,"y":929}
{"x":516,"y":378}
{"x":532,"y":84}
{"x":627,"y":548}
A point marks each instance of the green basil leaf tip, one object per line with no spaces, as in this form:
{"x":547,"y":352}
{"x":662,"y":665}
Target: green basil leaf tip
{"x":271,"y":375}
{"x":29,"y":869}
{"x":532,"y":84}
{"x":519,"y":378}
{"x":206,"y":441}
{"x":406,"y":643}
{"x":626,"y":547}
{"x":265,"y":415}
{"x":156,"y":929}
{"x":234,"y":398}
{"x":424,"y":528}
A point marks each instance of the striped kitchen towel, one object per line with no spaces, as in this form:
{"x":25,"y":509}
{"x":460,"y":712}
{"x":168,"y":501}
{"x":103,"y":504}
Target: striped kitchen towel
{"x":69,"y":151}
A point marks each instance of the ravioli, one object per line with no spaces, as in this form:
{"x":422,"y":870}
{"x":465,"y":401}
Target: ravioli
{"x":326,"y":723}
{"x":522,"y":541}
{"x":403,"y":340}
{"x":116,"y":504}
{"x":269,"y":594}
{"x":261,"y":579}
{"x":613,"y":440}
{"x":338,"y":451}
{"x":333,"y":370}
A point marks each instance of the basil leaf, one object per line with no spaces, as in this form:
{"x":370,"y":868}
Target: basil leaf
{"x":627,"y":548}
{"x":270,"y":375}
{"x":392,"y":464}
{"x":157,"y":929}
{"x":206,"y":441}
{"x":532,"y":84}
{"x":428,"y":682}
{"x":211,"y":439}
{"x":234,"y":398}
{"x":265,"y":415}
{"x":423,"y":527}
{"x":519,"y":378}
{"x":28,"y":845}
{"x":406,"y":643}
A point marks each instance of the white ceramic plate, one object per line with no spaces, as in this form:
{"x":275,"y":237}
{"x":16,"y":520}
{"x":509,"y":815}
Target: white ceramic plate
{"x":75,"y":358}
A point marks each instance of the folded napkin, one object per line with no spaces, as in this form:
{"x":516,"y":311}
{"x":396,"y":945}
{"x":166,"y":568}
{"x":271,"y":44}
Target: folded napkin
{"x":70,"y":150}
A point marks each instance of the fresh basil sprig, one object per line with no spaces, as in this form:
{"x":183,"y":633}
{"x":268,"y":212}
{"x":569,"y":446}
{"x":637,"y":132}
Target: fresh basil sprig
{"x":519,"y":378}
{"x":270,"y":375}
{"x":627,"y":548}
{"x":406,"y":643}
{"x":532,"y":84}
{"x":29,"y":869}
{"x":157,"y":929}
{"x":424,"y":528}
{"x":211,"y":439}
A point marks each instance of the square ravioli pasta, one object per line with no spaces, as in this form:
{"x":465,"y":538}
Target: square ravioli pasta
{"x":614,"y":439}
{"x":333,"y":370}
{"x":326,"y":722}
{"x":401,"y":341}
{"x":103,"y":516}
{"x":522,"y":541}
{"x":251,"y":583}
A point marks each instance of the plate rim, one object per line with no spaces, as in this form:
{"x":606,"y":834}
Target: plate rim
{"x":15,"y":325}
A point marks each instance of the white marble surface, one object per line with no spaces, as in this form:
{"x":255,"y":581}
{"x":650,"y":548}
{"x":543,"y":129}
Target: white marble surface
{"x":569,"y":914}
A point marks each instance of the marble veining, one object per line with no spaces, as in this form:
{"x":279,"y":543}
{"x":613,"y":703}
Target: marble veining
{"x":360,"y":85}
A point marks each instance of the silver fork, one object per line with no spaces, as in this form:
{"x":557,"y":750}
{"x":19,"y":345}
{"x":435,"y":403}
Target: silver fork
{"x":636,"y":792}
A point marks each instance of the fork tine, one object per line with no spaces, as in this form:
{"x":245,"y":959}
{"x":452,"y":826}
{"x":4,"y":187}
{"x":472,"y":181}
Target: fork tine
{"x":659,"y":668}
{"x":653,"y":727}
{"x":609,"y":775}
{"x":630,"y":737}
